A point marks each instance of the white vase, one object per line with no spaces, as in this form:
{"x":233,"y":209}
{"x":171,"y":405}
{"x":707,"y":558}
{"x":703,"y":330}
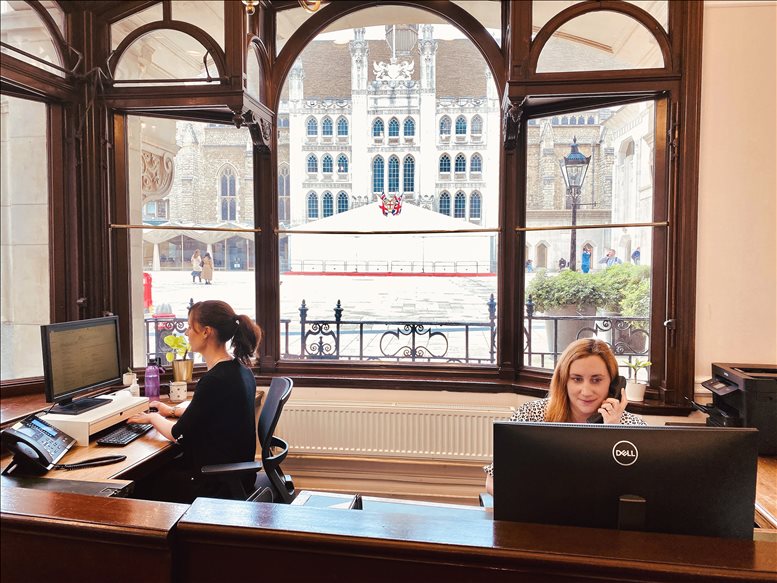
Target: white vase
{"x":635,"y":391}
{"x":129,"y":378}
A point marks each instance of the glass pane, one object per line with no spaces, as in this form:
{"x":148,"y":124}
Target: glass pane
{"x":608,"y":296}
{"x":56,"y":14}
{"x":163,"y":54}
{"x":488,"y":13}
{"x":617,"y":182}
{"x":198,"y":175}
{"x":253,"y":74}
{"x":600,"y":41}
{"x":205,"y":14}
{"x":383,"y":280}
{"x":24,"y":236}
{"x":120,"y":29}
{"x":287,"y":22}
{"x":21,"y":27}
{"x":544,"y":10}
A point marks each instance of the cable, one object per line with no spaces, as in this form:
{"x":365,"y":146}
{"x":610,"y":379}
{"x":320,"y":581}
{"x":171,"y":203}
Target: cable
{"x":98,"y":461}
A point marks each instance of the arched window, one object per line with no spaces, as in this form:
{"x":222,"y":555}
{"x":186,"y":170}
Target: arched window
{"x":328,"y":204}
{"x":461,"y":126}
{"x":580,"y":120}
{"x":312,"y":205}
{"x":393,"y":128}
{"x":393,"y":174}
{"x":228,"y":190}
{"x":591,"y":120}
{"x":377,"y":174}
{"x":565,"y":121}
{"x":342,"y":163}
{"x":445,"y":164}
{"x":342,"y":202}
{"x":477,"y":125}
{"x":554,"y":121}
{"x":475,"y":205}
{"x":476,"y":164}
{"x":461,"y":163}
{"x":445,"y":126}
{"x":326,"y":164}
{"x":284,"y":183}
{"x":460,"y":206}
{"x":445,"y":204}
{"x":409,"y":175}
{"x":342,"y":127}
{"x":312,"y":126}
{"x":326,"y":126}
{"x":312,"y":164}
{"x":409,"y":127}
{"x":377,"y":128}
{"x":573,"y":120}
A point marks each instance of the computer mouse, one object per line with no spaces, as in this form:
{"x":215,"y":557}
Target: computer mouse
{"x":153,"y":410}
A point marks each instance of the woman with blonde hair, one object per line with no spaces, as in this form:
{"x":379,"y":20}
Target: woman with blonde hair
{"x":579,"y":389}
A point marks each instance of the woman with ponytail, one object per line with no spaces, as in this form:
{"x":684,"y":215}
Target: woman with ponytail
{"x":218,"y":425}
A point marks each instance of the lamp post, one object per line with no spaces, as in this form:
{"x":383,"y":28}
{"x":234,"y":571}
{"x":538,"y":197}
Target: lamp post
{"x":573,"y":168}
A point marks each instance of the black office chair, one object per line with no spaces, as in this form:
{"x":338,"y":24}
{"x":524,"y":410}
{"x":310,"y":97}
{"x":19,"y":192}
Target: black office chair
{"x":271,"y":484}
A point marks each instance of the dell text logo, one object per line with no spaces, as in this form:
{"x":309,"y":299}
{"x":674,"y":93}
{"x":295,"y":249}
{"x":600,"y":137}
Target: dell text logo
{"x":625,"y":453}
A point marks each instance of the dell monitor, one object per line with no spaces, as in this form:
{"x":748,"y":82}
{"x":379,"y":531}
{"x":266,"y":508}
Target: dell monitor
{"x":681,"y":480}
{"x":78,"y":358}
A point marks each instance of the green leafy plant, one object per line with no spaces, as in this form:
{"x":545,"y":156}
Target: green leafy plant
{"x":180,"y":345}
{"x":638,"y":365}
{"x":129,"y":370}
{"x":566,"y":288}
{"x":621,"y":281}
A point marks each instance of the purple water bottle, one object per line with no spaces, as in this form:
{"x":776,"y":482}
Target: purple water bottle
{"x":151,"y":380}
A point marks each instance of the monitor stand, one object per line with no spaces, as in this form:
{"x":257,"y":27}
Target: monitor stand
{"x":632,"y":510}
{"x":79,"y":406}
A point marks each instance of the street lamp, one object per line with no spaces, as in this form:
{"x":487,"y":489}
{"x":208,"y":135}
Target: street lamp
{"x":573,"y":169}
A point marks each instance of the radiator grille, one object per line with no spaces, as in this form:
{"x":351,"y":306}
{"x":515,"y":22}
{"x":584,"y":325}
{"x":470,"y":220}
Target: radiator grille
{"x":387,"y":429}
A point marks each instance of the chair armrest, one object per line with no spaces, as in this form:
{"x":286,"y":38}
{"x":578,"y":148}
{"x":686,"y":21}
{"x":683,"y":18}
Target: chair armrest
{"x":486,"y":500}
{"x":238,"y":468}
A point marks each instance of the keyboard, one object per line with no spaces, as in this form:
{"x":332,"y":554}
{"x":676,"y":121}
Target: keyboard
{"x":125,"y":434}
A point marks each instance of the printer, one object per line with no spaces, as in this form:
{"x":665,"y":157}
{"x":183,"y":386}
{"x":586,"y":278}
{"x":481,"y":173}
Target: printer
{"x":745,"y":395}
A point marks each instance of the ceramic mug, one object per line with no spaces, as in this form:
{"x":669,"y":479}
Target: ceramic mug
{"x":178,"y":390}
{"x":129,"y":378}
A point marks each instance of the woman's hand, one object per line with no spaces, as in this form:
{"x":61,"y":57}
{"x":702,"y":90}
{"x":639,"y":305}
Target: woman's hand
{"x":163,"y":409}
{"x":612,"y":408}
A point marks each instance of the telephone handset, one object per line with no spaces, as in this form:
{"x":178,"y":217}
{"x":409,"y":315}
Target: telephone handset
{"x":38,"y":446}
{"x":616,"y":386}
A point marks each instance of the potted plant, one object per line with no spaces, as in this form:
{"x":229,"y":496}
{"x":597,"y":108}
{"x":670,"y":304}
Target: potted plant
{"x":635,"y":390}
{"x":182,"y":366}
{"x":570,"y":293}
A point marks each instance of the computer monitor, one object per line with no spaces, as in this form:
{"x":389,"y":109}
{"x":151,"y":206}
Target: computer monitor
{"x":681,"y":480}
{"x":79,"y":357}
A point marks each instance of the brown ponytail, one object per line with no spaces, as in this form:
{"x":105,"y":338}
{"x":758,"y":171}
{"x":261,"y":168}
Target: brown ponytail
{"x":245,"y":334}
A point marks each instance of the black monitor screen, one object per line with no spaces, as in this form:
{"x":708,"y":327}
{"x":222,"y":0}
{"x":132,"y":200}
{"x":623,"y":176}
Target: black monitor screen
{"x":682,"y":480}
{"x":79,"y":357}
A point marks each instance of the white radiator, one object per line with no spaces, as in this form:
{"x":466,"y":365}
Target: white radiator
{"x":448,"y":432}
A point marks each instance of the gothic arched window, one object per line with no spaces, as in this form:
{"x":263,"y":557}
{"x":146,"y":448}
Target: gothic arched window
{"x":328,"y":204}
{"x":312,"y":126}
{"x":377,"y":174}
{"x":393,"y":174}
{"x":409,"y":175}
{"x":377,"y":128}
{"x":461,"y":126}
{"x":284,"y":184}
{"x":312,"y":164}
{"x":445,"y":164}
{"x":409,"y":127}
{"x":342,"y":127}
{"x":342,"y":163}
{"x":342,"y":202}
{"x":326,"y":126}
{"x":393,"y":128}
{"x":476,"y":164}
{"x":461,"y":163}
{"x":475,"y":206}
{"x":445,"y":126}
{"x":460,"y":206}
{"x":445,"y":204}
{"x":228,"y":191}
{"x":326,"y":164}
{"x":477,"y":125}
{"x":312,"y":205}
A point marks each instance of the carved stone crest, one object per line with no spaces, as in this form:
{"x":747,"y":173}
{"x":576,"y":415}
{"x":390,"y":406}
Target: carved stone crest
{"x":393,"y":70}
{"x":156,"y":174}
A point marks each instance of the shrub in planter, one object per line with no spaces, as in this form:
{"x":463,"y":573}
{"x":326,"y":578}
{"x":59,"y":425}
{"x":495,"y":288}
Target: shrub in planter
{"x":570,"y":293}
{"x":617,"y":281}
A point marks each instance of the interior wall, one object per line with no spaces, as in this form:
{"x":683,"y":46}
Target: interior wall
{"x":736,"y":311}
